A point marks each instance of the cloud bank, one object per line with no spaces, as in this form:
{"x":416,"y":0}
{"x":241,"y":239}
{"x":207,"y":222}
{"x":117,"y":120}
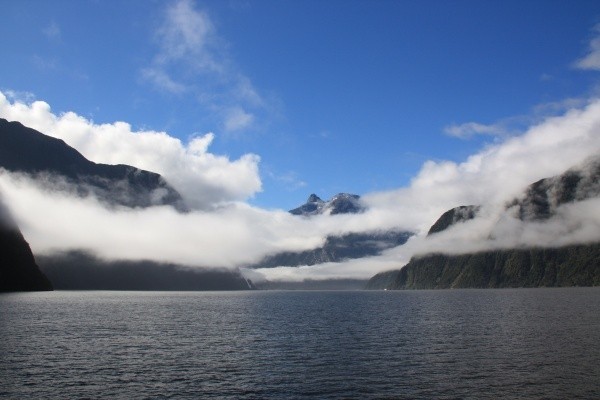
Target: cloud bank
{"x":223,"y":231}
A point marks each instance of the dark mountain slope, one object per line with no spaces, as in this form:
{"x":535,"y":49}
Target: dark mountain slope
{"x":453,"y":216}
{"x":28,"y":151}
{"x":18,"y":270}
{"x":567,"y":266}
{"x":82,"y":271}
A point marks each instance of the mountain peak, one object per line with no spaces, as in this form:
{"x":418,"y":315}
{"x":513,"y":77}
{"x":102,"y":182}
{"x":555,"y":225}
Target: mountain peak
{"x":341,"y":203}
{"x":313,"y":198}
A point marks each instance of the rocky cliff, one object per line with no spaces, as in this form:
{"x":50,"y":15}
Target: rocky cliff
{"x":18,"y":269}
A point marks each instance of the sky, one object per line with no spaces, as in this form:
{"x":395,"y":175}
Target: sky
{"x":333,"y":96}
{"x":247,"y":107}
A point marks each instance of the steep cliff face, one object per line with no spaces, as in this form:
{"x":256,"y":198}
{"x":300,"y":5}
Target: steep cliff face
{"x":18,"y":269}
{"x":575,"y":265}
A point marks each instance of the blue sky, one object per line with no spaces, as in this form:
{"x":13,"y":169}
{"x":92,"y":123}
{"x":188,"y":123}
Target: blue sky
{"x":334,"y":96}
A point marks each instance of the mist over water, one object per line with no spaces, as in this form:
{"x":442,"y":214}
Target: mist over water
{"x":521,"y":343}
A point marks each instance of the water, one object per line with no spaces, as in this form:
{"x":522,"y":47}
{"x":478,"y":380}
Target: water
{"x":522,"y":343}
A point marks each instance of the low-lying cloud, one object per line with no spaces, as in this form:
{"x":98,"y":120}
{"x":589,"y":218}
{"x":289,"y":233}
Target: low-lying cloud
{"x":223,"y":231}
{"x":225,"y":237}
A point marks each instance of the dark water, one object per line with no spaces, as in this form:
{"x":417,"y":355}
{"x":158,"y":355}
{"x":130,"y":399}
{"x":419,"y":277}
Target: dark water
{"x":524,"y":343}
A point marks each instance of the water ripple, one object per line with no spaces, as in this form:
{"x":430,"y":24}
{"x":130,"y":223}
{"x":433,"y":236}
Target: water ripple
{"x":480,"y":344}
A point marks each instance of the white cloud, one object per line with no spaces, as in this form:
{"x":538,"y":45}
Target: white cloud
{"x":591,"y":61}
{"x":162,"y":80}
{"x":469,"y":129}
{"x":193,"y":59}
{"x":204,"y":179}
{"x":224,"y":237}
{"x":187,"y":32}
{"x":237,"y":119}
{"x":497,"y":173}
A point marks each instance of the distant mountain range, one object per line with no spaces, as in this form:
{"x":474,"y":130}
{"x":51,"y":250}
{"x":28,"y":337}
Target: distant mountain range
{"x":336,"y":248}
{"x":339,"y":248}
{"x":574,"y":265}
{"x":28,"y":151}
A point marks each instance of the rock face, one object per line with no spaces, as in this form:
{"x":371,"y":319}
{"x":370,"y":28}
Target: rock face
{"x":18,"y":269}
{"x":576,"y":265}
{"x":82,"y":271}
{"x":453,"y":216}
{"x":28,"y":151}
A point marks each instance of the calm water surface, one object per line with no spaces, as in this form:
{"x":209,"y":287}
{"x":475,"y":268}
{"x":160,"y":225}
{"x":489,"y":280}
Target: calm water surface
{"x":522,"y":343}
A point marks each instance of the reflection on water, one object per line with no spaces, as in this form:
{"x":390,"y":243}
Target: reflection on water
{"x":521,"y":343}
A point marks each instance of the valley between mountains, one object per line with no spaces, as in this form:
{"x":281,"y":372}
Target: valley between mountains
{"x":502,"y":254}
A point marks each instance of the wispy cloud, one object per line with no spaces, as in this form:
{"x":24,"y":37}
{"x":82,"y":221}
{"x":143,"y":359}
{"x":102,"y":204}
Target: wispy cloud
{"x":470,"y":129}
{"x":192,"y":58}
{"x":52,"y":31}
{"x":162,"y":80}
{"x":591,"y":61}
{"x":237,"y":119}
{"x":290,"y":180}
{"x":517,"y":124}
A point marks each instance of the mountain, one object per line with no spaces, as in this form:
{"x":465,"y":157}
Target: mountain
{"x":574,"y":265}
{"x":338,"y":248}
{"x":77,"y":270}
{"x":18,"y":269}
{"x":341,"y":203}
{"x":28,"y":151}
{"x":453,"y":216}
{"x":566,"y":266}
{"x":60,"y":167}
{"x":543,"y":197}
